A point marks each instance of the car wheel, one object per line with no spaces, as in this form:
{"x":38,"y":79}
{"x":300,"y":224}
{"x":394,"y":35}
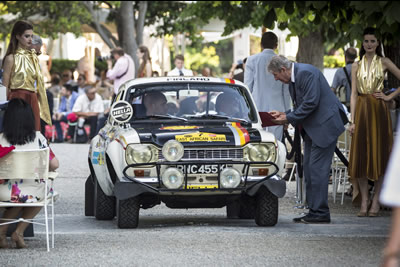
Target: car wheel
{"x":104,"y":206}
{"x":89,"y":197}
{"x":266,"y":208}
{"x":128,"y":212}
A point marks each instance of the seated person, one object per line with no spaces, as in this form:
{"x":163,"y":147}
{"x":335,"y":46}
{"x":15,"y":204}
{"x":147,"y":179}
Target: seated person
{"x":19,"y":131}
{"x":188,"y":106}
{"x":67,"y":101}
{"x":88,"y":106}
{"x":228,"y":105}
{"x":155,"y":104}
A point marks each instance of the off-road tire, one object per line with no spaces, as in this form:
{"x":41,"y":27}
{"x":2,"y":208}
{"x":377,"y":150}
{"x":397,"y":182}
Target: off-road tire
{"x":104,"y":206}
{"x":266,"y":208}
{"x":89,"y":197}
{"x":128,"y":213}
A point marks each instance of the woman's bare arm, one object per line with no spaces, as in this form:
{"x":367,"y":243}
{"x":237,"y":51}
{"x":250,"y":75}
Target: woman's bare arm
{"x":7,"y":68}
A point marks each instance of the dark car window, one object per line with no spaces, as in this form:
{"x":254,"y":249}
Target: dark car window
{"x":191,"y":101}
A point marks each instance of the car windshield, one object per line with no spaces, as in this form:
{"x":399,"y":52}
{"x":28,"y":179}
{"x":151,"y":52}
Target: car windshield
{"x":190,"y":102}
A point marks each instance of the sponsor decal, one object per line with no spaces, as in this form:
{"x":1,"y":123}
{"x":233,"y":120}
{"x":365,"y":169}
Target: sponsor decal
{"x":182,"y":127}
{"x":121,"y":111}
{"x":98,"y":158}
{"x":201,"y":137}
{"x":241,"y":135}
{"x":180,"y":78}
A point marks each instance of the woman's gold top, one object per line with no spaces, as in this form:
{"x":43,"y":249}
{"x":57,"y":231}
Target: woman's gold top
{"x":26,"y":75}
{"x":369,"y":82}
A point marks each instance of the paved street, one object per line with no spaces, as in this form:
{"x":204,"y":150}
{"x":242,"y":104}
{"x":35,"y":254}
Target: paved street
{"x":197,"y":237}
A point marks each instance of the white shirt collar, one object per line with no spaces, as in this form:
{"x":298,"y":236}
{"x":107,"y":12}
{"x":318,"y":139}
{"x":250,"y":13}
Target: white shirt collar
{"x":292,"y":78}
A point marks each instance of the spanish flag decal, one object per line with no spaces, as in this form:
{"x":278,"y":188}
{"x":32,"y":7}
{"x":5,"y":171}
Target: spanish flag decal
{"x":241,"y":135}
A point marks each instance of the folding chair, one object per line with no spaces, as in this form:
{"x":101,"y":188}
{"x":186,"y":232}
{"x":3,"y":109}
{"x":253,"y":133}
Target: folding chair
{"x":339,"y":170}
{"x":30,"y":164}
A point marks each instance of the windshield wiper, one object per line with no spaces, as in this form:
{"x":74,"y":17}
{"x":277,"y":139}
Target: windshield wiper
{"x":216,"y":116}
{"x":171,"y":117}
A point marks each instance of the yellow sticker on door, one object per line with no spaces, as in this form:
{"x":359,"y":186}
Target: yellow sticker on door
{"x":201,"y":137}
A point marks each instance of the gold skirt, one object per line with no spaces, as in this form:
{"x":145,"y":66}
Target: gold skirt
{"x":372,"y":139}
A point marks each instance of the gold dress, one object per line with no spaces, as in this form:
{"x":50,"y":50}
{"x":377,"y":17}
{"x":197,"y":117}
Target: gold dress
{"x":26,"y":82}
{"x":373,"y":136}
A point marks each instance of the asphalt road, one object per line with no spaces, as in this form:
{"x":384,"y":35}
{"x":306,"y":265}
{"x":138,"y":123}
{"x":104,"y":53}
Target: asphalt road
{"x":196,"y":237}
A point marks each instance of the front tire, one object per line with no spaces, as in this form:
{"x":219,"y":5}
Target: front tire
{"x":89,"y":197}
{"x":266,"y":208}
{"x":104,"y":206}
{"x":128,"y":213}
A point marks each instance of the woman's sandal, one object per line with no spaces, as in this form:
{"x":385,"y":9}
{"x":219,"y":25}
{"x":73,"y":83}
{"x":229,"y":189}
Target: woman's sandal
{"x":3,"y":240}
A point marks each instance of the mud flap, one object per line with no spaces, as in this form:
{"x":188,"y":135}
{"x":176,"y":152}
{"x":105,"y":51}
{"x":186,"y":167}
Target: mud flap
{"x":124,"y":190}
{"x":276,"y":187}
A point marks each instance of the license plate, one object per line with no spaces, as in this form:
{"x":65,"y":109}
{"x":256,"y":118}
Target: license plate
{"x":201,"y":169}
{"x":202,"y":187}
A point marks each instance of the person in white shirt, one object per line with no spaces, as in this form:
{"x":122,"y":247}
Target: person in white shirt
{"x":123,"y":70}
{"x":88,"y":106}
{"x":179,"y":68}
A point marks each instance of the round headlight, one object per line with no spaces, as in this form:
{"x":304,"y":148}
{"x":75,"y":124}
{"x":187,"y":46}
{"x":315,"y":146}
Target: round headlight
{"x":230,"y":178}
{"x":172,"y":178}
{"x":138,"y":154}
{"x":259,"y":153}
{"x":172,"y":150}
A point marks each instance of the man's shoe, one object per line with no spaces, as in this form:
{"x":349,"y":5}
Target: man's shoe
{"x":309,"y":219}
{"x":298,"y":219}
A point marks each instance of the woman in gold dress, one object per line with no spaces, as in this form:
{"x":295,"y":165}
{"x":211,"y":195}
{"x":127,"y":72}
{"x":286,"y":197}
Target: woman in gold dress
{"x":371,"y":126}
{"x":22,"y":76}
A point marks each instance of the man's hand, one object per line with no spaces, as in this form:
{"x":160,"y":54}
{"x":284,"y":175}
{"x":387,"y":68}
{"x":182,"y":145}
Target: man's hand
{"x":109,"y":64}
{"x":279,"y":117}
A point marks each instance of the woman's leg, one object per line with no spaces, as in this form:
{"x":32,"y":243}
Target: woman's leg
{"x":363,"y":185}
{"x":10,"y":213}
{"x":375,"y":207}
{"x":18,"y":235}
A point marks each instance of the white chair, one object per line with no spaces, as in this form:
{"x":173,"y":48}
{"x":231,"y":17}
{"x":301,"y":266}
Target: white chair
{"x":30,"y":164}
{"x":339,"y":170}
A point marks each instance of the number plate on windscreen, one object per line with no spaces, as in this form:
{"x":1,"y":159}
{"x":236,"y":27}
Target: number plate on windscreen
{"x":201,"y":169}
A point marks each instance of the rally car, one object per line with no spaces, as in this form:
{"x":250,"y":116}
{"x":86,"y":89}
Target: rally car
{"x":189,"y":142}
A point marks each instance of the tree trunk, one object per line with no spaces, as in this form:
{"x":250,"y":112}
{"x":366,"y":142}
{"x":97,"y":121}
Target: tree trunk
{"x":311,"y":50}
{"x":140,"y":22}
{"x":128,"y":28}
{"x":393,"y":53}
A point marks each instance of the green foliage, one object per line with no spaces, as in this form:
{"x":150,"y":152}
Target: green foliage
{"x":48,"y":17}
{"x":334,"y":61}
{"x":197,"y":61}
{"x":59,"y":65}
{"x":100,"y":65}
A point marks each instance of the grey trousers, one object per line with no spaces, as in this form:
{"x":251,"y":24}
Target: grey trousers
{"x":317,"y":164}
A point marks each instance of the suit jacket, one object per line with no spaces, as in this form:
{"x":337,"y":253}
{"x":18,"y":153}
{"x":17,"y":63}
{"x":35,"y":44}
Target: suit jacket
{"x":317,"y":109}
{"x":268,"y":93}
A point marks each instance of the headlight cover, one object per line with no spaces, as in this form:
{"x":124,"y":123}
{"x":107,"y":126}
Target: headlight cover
{"x":260,"y":152}
{"x":140,"y":154}
{"x":230,"y":178}
{"x":172,"y":150}
{"x":172,"y":178}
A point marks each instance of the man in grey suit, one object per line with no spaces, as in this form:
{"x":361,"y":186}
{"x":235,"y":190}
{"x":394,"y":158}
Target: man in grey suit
{"x":317,"y":112}
{"x":268,"y":93}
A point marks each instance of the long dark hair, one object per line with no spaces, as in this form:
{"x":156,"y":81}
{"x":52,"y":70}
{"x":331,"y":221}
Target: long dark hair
{"x":18,"y":29}
{"x":19,"y":122}
{"x":146,"y":57}
{"x":378,"y":51}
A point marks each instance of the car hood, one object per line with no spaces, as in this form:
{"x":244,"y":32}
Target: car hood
{"x":232,"y":134}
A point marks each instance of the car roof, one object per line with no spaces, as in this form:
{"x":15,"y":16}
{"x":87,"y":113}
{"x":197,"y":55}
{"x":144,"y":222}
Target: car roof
{"x":178,"y":79}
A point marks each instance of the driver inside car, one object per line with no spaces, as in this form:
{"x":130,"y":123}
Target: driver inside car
{"x":227,"y":105}
{"x":155,"y":103}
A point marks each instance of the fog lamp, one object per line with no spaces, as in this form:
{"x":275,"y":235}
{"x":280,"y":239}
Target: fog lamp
{"x":230,"y":178}
{"x":172,"y":150}
{"x":172,"y":178}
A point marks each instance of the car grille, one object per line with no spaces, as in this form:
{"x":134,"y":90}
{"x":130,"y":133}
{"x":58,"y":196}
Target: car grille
{"x":210,"y":154}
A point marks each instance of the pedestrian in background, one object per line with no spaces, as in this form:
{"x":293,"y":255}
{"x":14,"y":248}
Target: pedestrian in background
{"x":179,"y":69}
{"x":240,"y":65}
{"x":317,"y":114}
{"x":145,"y":62}
{"x":123,"y":70}
{"x":22,"y":76}
{"x":268,"y":93}
{"x":341,"y":83}
{"x":371,"y":125}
